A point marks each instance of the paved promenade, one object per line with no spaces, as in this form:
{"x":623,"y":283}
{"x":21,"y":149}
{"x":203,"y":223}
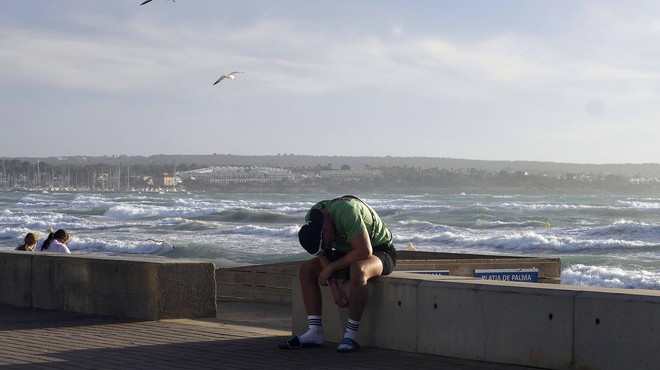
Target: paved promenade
{"x":245,"y":336}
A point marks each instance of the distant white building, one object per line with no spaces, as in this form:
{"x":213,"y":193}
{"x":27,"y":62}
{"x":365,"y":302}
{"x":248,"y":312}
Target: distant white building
{"x":237,"y":175}
{"x":350,"y":174}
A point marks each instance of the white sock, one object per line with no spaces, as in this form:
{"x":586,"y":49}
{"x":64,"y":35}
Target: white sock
{"x":352,"y":329}
{"x":315,"y":332}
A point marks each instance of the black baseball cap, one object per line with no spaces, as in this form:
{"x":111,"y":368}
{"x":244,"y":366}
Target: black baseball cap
{"x":310,"y":234}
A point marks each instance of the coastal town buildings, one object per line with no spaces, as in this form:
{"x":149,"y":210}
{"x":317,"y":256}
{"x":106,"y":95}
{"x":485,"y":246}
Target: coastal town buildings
{"x":170,"y":175}
{"x":237,"y":175}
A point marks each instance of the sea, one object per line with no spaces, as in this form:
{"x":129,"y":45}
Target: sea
{"x":603,"y":241}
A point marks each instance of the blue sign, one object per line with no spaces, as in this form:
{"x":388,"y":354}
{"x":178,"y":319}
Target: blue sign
{"x":530,"y":275}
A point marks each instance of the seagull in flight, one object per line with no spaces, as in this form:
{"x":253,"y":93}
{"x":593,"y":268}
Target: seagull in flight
{"x":148,"y":1}
{"x":229,"y":75}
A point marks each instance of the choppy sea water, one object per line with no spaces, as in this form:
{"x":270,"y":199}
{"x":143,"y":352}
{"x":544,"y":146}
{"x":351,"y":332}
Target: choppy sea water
{"x":604,"y":241}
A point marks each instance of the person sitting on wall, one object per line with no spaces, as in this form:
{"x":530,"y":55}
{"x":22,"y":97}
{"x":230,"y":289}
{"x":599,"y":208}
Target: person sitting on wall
{"x":344,"y":234}
{"x":29,"y":243}
{"x":56,"y":242}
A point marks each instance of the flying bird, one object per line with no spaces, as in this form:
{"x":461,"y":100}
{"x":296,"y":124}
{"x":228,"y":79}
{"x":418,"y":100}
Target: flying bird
{"x":229,"y":75}
{"x":148,"y":1}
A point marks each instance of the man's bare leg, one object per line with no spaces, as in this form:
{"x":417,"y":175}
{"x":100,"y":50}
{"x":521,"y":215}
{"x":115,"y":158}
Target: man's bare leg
{"x":361,"y":272}
{"x":311,"y":292}
{"x":308,"y":273}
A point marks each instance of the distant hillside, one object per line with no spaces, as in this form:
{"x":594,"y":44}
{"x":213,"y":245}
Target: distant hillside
{"x":297,"y":161}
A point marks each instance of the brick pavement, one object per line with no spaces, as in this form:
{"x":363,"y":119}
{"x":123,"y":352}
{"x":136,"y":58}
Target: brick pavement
{"x":40,"y":339}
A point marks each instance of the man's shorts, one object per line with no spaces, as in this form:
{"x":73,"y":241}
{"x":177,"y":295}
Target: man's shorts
{"x":387,"y":255}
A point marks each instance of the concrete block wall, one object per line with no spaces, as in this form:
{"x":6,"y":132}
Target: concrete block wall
{"x":491,"y":322}
{"x":539,"y":325}
{"x":140,"y":288}
{"x":619,"y":332}
{"x":16,"y":279}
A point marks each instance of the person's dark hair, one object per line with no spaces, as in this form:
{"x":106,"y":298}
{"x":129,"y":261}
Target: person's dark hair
{"x":46,"y":242}
{"x":59,"y":234}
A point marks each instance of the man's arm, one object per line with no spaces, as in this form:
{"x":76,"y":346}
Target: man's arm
{"x":362,"y":250}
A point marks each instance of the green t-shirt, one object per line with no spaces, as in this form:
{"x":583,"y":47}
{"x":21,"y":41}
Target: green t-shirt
{"x":351,"y":217}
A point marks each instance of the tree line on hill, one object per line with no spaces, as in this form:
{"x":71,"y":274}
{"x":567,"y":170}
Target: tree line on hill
{"x":309,"y":161}
{"x":399,"y":175}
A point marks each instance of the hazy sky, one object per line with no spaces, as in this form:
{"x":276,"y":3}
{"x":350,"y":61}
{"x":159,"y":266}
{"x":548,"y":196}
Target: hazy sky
{"x":561,"y":81}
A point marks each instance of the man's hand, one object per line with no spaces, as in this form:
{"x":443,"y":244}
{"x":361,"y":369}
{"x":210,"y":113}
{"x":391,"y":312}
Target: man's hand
{"x":325,"y":275}
{"x":341,"y":300}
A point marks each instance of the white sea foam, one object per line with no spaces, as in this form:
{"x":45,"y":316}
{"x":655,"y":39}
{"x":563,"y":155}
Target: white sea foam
{"x":117,"y":247}
{"x":637,"y":204}
{"x":611,"y":277}
{"x":132,"y":211}
{"x":288,"y":231}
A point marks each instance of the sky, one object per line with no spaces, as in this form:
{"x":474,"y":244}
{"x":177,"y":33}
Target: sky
{"x":556,"y":81}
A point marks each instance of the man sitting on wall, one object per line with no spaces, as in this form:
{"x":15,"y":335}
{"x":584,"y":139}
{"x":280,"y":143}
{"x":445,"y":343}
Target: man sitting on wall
{"x":345,"y":234}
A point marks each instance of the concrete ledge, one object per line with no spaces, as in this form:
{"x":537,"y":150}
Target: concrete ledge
{"x":491,"y":322}
{"x":132,"y":287}
{"x":621,"y":332}
{"x":540,"y":325}
{"x":257,"y":283}
{"x":272,"y":282}
{"x":16,"y":278}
